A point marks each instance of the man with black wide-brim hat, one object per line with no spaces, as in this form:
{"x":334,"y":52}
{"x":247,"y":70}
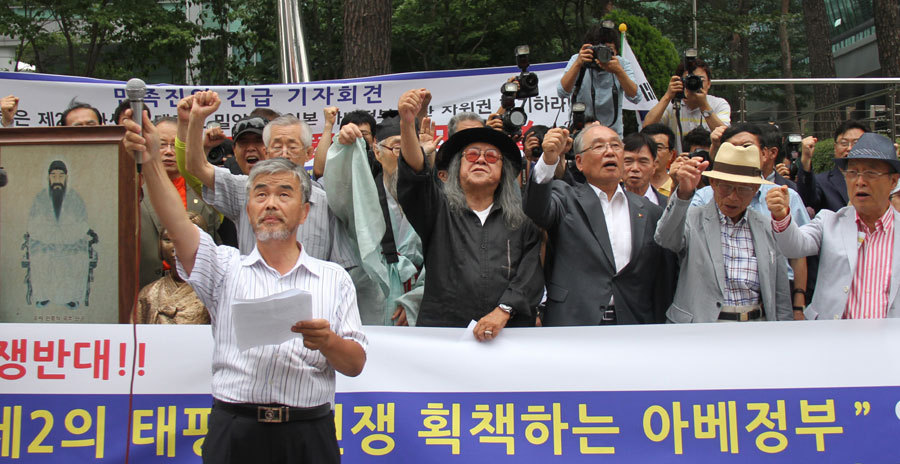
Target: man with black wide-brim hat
{"x":481,"y":251}
{"x":857,"y":244}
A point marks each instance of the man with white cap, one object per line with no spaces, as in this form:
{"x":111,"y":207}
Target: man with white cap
{"x":857,"y":243}
{"x":731,"y":269}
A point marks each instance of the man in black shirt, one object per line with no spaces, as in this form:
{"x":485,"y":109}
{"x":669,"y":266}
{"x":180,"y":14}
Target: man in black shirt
{"x":482,"y":254}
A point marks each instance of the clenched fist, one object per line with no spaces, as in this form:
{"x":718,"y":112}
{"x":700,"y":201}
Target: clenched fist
{"x":779,"y":202}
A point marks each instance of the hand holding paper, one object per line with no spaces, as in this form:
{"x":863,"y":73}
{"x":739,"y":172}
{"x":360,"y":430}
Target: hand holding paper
{"x":316,"y":333}
{"x":269,"y":320}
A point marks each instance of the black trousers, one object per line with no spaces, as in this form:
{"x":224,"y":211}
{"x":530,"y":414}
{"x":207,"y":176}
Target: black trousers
{"x":234,"y":439}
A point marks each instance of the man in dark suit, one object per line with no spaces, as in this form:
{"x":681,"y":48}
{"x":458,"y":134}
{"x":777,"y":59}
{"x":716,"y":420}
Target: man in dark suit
{"x":827,"y":190}
{"x":607,"y":268}
{"x":640,"y":164}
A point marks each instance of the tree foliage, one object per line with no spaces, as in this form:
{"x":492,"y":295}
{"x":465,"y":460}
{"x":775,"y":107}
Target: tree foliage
{"x":238,"y":40}
{"x":108,"y":38}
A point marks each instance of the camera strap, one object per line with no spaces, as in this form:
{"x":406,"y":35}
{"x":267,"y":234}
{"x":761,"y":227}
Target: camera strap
{"x":576,"y":90}
{"x":615,"y":99}
{"x":677,"y":110}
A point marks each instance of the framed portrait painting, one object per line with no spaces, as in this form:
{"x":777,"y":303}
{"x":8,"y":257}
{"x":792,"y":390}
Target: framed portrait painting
{"x":67,"y":225}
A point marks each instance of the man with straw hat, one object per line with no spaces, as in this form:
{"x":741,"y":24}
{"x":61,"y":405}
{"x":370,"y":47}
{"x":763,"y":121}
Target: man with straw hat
{"x":731,"y":269}
{"x":856,"y":244}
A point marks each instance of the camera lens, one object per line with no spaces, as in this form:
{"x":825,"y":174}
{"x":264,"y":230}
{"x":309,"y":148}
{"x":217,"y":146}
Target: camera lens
{"x":693,"y":83}
{"x":518,"y":117}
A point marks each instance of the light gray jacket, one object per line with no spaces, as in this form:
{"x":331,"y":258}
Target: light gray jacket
{"x":834,"y":236}
{"x":696,"y":235}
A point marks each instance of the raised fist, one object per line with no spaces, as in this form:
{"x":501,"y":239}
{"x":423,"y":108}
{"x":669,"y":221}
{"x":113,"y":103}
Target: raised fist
{"x":205,"y":104}
{"x":411,"y":104}
{"x":779,"y":202}
{"x":330,"y":114}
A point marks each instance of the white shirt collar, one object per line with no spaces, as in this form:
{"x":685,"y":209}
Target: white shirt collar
{"x":602,"y":195}
{"x":304,"y":260}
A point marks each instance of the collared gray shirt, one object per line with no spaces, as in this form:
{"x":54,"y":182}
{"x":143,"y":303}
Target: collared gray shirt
{"x":320,"y":235}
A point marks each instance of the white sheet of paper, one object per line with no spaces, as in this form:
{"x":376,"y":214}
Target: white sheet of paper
{"x":268,"y":321}
{"x":469,"y":335}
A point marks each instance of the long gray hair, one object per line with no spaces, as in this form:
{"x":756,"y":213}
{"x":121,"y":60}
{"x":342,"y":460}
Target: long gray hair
{"x":507,"y":196}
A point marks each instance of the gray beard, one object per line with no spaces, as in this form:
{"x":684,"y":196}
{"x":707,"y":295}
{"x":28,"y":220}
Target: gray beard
{"x":390,"y":183}
{"x":280,"y":234}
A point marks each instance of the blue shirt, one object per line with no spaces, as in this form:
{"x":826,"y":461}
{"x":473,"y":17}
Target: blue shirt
{"x":602,"y":82}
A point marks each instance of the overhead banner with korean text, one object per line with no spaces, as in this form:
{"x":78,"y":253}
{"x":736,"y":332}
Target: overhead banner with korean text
{"x":43,"y":98}
{"x":735,"y":393}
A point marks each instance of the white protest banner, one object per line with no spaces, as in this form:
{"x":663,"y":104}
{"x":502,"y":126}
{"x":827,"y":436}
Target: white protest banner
{"x":743,"y":393}
{"x":648,"y":100}
{"x":43,"y":98}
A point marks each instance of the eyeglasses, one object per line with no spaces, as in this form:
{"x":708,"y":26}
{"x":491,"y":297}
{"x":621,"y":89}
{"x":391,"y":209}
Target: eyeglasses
{"x":602,"y":147}
{"x":365,"y":134}
{"x":249,"y":123}
{"x":289,"y":149}
{"x":742,"y":190}
{"x":851,"y":174}
{"x":396,"y":149}
{"x":491,"y":155}
{"x":847,"y":143}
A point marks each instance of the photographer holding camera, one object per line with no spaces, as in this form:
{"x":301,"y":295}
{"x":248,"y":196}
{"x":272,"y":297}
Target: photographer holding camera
{"x":687,"y":102}
{"x":599,"y":77}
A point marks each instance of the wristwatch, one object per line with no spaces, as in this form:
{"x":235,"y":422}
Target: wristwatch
{"x":706,"y":114}
{"x":507,"y":309}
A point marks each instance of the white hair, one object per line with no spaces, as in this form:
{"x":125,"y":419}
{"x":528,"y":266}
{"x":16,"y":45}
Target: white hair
{"x":288,"y":120}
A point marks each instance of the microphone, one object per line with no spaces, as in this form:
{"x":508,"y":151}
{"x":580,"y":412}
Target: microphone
{"x":135,"y":90}
{"x":3,"y":177}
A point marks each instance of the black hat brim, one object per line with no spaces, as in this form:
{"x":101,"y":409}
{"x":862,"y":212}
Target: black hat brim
{"x":463,"y":138}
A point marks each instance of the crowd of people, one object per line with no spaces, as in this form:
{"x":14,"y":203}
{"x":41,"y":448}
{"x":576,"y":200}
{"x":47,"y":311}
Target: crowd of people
{"x":582,"y":225}
{"x":579,"y":226}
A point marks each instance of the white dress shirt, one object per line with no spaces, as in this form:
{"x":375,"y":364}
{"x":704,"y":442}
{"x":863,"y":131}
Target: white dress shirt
{"x":289,"y":373}
{"x":651,"y":195}
{"x":615,"y":212}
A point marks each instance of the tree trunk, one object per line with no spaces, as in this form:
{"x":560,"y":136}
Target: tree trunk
{"x":821,"y":64}
{"x":887,"y":33}
{"x":787,"y":72}
{"x":367,"y":38}
{"x":740,"y":45}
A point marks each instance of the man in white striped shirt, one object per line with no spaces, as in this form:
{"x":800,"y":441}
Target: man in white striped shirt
{"x":272,"y":402}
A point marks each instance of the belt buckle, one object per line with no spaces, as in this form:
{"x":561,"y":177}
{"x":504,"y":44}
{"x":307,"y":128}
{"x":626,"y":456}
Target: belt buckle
{"x":271,"y":414}
{"x":744,"y":317}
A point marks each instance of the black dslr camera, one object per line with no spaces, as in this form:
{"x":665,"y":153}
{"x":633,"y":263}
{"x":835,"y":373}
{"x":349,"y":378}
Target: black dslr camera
{"x":691,"y":82}
{"x":523,"y":86}
{"x":527,"y":81}
{"x":601,"y":52}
